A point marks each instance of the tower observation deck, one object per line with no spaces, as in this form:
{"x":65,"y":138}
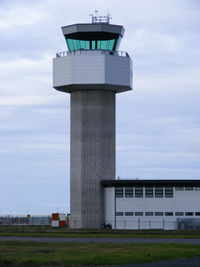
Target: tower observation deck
{"x":92,"y":71}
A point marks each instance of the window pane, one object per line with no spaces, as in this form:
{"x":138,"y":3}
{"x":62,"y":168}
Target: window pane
{"x":197,"y":213}
{"x":111,"y":44}
{"x":138,"y":213}
{"x":117,"y":43}
{"x":119,"y":192}
{"x":189,"y":188}
{"x":119,"y":213}
{"x":159,"y":192}
{"x":197,"y":188}
{"x":188,"y":213}
{"x":138,"y":191}
{"x":128,"y":213}
{"x":168,"y":191}
{"x":83,"y":44}
{"x":98,"y":44}
{"x":70,"y":44}
{"x":76,"y":44}
{"x":168,"y":213}
{"x":158,"y":213}
{"x":93,"y":45}
{"x":87,"y":44}
{"x":128,"y":192}
{"x":148,"y":191}
{"x":179,"y":213}
{"x":104,"y":45}
{"x":179,"y":188}
{"x":149,"y":213}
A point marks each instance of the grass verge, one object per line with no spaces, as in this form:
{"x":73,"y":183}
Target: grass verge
{"x":70,"y":254}
{"x":47,"y":231}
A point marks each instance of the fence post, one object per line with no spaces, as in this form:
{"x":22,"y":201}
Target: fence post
{"x":149,"y":225}
{"x":138,"y":223}
{"x":163,"y":224}
{"x":124,"y":224}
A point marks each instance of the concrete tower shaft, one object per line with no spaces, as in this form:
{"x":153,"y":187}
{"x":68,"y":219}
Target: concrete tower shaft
{"x":92,"y":71}
{"x":92,"y":154}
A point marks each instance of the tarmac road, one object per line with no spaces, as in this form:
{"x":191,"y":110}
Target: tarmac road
{"x":103,"y":240}
{"x":192,"y":262}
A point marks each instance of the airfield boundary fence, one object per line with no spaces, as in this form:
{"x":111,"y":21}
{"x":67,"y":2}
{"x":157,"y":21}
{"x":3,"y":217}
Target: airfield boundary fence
{"x":178,"y":224}
{"x":24,"y":220}
{"x":138,"y":224}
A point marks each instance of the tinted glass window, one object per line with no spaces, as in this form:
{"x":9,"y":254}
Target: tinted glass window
{"x":168,"y":191}
{"x":169,"y":213}
{"x":148,"y":191}
{"x":119,"y":192}
{"x":159,"y":192}
{"x":189,"y":188}
{"x":188,"y":213}
{"x":158,"y":213}
{"x":138,"y":213}
{"x":119,"y":213}
{"x":179,"y":188}
{"x":138,"y":191}
{"x":128,"y":192}
{"x":149,"y":213}
{"x":74,"y":44}
{"x":128,"y":213}
{"x":179,"y":213}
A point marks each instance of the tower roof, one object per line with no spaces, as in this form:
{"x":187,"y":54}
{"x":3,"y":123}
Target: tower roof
{"x":91,"y":31}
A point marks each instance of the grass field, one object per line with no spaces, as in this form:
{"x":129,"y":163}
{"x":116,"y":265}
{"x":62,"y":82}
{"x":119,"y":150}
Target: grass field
{"x":70,"y":254}
{"x":47,"y":231}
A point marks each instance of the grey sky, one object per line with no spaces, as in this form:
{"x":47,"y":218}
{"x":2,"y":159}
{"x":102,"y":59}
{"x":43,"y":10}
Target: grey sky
{"x":158,"y":123}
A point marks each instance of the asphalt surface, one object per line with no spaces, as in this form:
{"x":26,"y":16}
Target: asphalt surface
{"x":193,"y":262}
{"x":103,"y":240}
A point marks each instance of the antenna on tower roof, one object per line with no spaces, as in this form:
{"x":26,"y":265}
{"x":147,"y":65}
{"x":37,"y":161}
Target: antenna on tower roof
{"x":100,"y":19}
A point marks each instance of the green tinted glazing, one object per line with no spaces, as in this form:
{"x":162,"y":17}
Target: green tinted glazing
{"x":70,"y":44}
{"x":112,"y":45}
{"x":118,"y":43}
{"x":93,"y":44}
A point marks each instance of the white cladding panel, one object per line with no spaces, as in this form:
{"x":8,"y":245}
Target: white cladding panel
{"x":109,"y":204}
{"x":62,"y":71}
{"x":101,"y":71}
{"x":55,"y":223}
{"x":88,"y":69}
{"x":118,"y":70}
{"x":62,"y":216}
{"x":182,"y":201}
{"x":79,"y":69}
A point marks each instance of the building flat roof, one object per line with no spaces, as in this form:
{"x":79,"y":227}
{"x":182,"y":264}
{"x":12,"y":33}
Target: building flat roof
{"x":146,"y":182}
{"x":93,"y":27}
{"x":93,"y":31}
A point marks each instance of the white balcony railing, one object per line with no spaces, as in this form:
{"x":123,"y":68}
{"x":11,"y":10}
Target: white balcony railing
{"x":90,"y":52}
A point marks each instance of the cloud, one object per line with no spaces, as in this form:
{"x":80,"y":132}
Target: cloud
{"x":20,"y":15}
{"x":46,"y":146}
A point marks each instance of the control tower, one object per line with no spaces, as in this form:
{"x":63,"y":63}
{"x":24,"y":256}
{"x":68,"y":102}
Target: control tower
{"x":92,"y":71}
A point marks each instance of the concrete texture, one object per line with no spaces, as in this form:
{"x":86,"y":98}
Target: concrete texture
{"x":92,"y":154}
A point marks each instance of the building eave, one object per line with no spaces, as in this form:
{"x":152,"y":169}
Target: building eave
{"x":152,"y":182}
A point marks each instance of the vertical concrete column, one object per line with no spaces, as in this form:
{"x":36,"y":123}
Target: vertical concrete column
{"x":92,"y":154}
